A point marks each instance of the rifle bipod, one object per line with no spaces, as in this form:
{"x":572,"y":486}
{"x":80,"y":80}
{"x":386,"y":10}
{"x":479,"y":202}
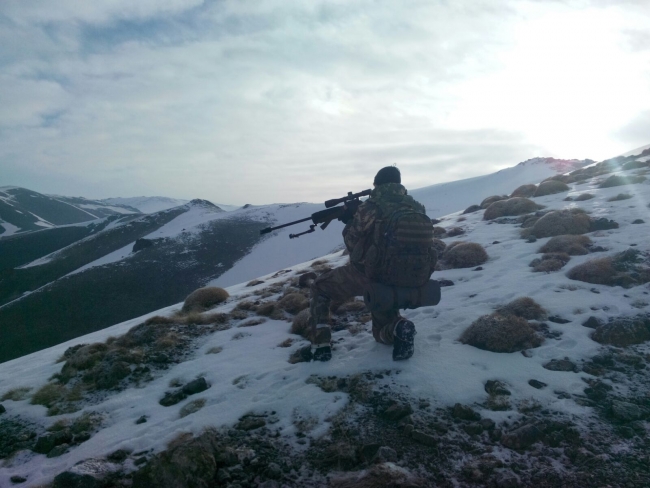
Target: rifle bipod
{"x":312,"y":228}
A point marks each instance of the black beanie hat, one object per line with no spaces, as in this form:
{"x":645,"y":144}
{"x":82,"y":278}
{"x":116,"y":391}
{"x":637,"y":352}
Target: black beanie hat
{"x":389,"y":174}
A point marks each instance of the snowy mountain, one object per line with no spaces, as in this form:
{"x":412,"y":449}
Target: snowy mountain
{"x":155,"y":204}
{"x":173,"y":399}
{"x":26,"y":210}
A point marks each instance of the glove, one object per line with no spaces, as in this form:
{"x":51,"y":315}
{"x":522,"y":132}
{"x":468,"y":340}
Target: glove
{"x":350,"y":209}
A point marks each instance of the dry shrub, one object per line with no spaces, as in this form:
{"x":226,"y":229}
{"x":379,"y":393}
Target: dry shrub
{"x":16,"y":394}
{"x":351,"y":307}
{"x":472,"y":209}
{"x":550,"y":262}
{"x":214,"y":350}
{"x":524,"y":191}
{"x":561,"y":222}
{"x":573,"y":245}
{"x":318,"y":262}
{"x":271,"y":310}
{"x":204,"y":298}
{"x":464,"y":255}
{"x":205,"y":319}
{"x":439,"y":245}
{"x":619,"y":197}
{"x":439,"y":231}
{"x":49,"y":395}
{"x":455,"y":231}
{"x":523,"y":307}
{"x":238,"y":314}
{"x":550,"y":187}
{"x":245,"y":305}
{"x":286,"y":342}
{"x":501,"y":333}
{"x":87,"y":356}
{"x":300,"y":324}
{"x":159,"y":319}
{"x":379,"y":476}
{"x":623,"y":332}
{"x":510,"y":207}
{"x":619,"y":180}
{"x":597,"y":271}
{"x":293,"y":303}
{"x":254,"y":283}
{"x":583,"y":196}
{"x":252,"y":322}
{"x":490,"y":200}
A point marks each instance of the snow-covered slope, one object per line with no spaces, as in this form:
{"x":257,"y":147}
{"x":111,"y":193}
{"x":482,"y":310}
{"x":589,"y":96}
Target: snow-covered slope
{"x":446,"y":198}
{"x":147,"y":204}
{"x":572,"y":436}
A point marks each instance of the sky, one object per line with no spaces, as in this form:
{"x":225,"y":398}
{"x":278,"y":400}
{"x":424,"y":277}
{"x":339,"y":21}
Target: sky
{"x":304,"y":100}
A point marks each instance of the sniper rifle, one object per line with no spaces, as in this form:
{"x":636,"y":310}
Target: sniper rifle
{"x":331,"y":212}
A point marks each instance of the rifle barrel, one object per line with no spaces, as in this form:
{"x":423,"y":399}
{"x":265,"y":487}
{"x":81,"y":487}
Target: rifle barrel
{"x":271,"y":229}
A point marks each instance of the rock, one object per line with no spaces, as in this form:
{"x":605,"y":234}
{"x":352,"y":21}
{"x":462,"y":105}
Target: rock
{"x":496,"y":387}
{"x":58,"y":450}
{"x":445,"y":283}
{"x":273,"y":471}
{"x":17,"y":479}
{"x":638,"y":221}
{"x":488,"y":424}
{"x":172,"y":398}
{"x":228,"y":457}
{"x":369,"y":451}
{"x":464,"y":412}
{"x":81,"y":437}
{"x":2,"y":409}
{"x":118,"y":456}
{"x":397,"y":411}
{"x":627,"y":412}
{"x":556,"y":319}
{"x":250,"y":423}
{"x":522,"y":437}
{"x":142,"y":244}
{"x":44,"y":444}
{"x":425,"y":439}
{"x":597,"y":391}
{"x":507,"y":479}
{"x":592,"y":323}
{"x":537,"y":384}
{"x":141,"y":420}
{"x":74,"y":480}
{"x":385,"y":454}
{"x":602,"y":224}
{"x":196,"y":386}
{"x":472,"y":209}
{"x":475,"y":428}
{"x":561,"y":365}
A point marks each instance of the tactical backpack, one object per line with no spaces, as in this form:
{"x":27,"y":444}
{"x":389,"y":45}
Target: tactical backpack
{"x":401,"y":253}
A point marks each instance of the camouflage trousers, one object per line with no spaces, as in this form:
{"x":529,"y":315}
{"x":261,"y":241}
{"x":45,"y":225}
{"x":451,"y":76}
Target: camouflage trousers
{"x":337,"y":286}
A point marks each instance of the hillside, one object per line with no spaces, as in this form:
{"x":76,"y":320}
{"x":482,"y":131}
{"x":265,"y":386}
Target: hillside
{"x":566,"y":406}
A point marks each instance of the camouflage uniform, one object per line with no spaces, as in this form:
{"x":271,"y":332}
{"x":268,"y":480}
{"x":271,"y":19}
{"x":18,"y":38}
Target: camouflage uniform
{"x":341,"y":284}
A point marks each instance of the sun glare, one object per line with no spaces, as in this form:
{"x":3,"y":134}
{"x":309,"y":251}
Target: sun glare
{"x":566,"y":83}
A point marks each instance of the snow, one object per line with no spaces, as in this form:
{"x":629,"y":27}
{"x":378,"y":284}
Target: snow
{"x":636,"y":151}
{"x":445,"y":198}
{"x":109,"y":258}
{"x":91,"y":206}
{"x":252,"y":374}
{"x":147,"y":204}
{"x":10,"y":229}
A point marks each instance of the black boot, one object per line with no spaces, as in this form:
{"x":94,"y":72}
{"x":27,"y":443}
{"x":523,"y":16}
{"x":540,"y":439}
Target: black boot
{"x":403,"y":347}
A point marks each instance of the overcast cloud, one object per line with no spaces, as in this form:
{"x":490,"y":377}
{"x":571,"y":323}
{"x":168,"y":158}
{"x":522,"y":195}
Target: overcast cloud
{"x":293,"y":100}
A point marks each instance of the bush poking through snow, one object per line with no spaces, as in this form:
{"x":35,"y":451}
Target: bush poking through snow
{"x":510,"y":207}
{"x":16,"y":394}
{"x":620,"y":180}
{"x":293,"y":303}
{"x":523,"y":307}
{"x":561,"y":222}
{"x":550,"y":187}
{"x":270,"y":310}
{"x":550,"y":262}
{"x":494,"y":198}
{"x":192,"y":407}
{"x":204,"y":298}
{"x":440,"y":246}
{"x":501,"y":333}
{"x":524,"y":191}
{"x":463,"y":255}
{"x":573,"y":245}
{"x":300,"y":324}
{"x":49,"y":395}
{"x":472,"y":209}
{"x":623,"y":332}
{"x":619,"y":197}
{"x":583,"y":196}
{"x":626,"y":269}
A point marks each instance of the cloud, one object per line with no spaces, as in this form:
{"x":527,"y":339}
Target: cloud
{"x":253,"y":102}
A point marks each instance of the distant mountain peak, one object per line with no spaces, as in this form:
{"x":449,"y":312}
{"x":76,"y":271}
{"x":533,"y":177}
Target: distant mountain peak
{"x":198,"y":202}
{"x":559,"y":165}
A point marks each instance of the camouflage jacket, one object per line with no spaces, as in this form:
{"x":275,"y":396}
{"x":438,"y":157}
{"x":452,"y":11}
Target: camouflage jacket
{"x":358,"y":233}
